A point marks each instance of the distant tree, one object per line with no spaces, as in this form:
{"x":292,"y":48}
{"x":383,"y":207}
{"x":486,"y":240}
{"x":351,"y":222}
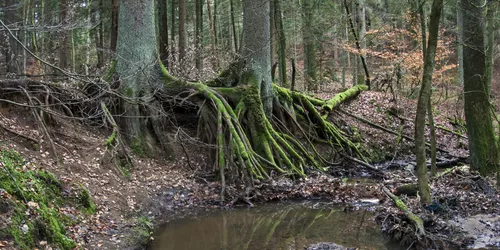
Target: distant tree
{"x":182,"y":30}
{"x":309,"y":44}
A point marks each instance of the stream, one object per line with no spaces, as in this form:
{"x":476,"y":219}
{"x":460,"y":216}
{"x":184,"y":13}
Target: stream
{"x":288,"y":225}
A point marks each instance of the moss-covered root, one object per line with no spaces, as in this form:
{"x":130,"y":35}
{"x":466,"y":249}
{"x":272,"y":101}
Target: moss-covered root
{"x":342,"y":97}
{"x":417,"y":222}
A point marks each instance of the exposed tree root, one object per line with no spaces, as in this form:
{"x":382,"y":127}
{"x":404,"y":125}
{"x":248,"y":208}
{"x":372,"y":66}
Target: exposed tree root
{"x":252,"y":145}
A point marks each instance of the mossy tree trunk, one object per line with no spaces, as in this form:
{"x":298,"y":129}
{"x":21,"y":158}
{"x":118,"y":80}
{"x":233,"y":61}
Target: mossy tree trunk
{"x":423,"y":102}
{"x":137,"y":68}
{"x":482,"y":147}
{"x":257,"y":48}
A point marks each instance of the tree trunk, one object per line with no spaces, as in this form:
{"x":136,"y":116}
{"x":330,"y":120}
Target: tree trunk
{"x":172,"y":29}
{"x":163,"y":29}
{"x":460,"y":45}
{"x":490,"y":43}
{"x":138,"y":70}
{"x":182,"y":31}
{"x":213,"y":46}
{"x":309,"y":45}
{"x":114,"y":25}
{"x":482,"y":146}
{"x":64,"y":51}
{"x":430,"y":115}
{"x":233,"y":25}
{"x":281,"y":42}
{"x":256,"y":49}
{"x":423,"y":102}
{"x":199,"y":35}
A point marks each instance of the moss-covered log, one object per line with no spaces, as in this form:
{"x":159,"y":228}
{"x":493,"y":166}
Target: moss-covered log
{"x":344,"y":96}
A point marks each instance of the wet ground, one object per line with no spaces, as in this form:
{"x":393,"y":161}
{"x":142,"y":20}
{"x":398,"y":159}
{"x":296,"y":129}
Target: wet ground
{"x":275,"y":226}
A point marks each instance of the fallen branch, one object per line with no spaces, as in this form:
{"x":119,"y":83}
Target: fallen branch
{"x":344,"y":96}
{"x":417,"y":222}
{"x":386,"y":129}
{"x":33,"y":140}
{"x":427,"y":124}
{"x":360,"y":162}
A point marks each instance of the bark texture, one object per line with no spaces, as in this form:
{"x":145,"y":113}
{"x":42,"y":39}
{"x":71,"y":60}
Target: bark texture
{"x":257,"y":47}
{"x":482,"y":146}
{"x":137,"y":68}
{"x":423,"y":102}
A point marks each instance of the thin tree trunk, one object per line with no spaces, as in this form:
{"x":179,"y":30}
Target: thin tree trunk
{"x":278,"y":18}
{"x":199,"y":35}
{"x":163,"y":29}
{"x":213,"y":46}
{"x":490,"y":43}
{"x":430,"y":115}
{"x":310,"y":73}
{"x":64,"y":51}
{"x":182,"y":31}
{"x":233,"y":25}
{"x":423,"y":102}
{"x":114,"y":25}
{"x":460,"y":45}
{"x":172,"y":29}
{"x":363,"y":61}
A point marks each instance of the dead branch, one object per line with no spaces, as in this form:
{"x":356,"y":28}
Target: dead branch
{"x":417,"y":222}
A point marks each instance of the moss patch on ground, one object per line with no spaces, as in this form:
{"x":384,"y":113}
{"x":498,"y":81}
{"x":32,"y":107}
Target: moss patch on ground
{"x":31,"y":201}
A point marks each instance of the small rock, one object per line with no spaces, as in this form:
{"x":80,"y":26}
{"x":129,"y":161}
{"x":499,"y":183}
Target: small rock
{"x":25,"y":228}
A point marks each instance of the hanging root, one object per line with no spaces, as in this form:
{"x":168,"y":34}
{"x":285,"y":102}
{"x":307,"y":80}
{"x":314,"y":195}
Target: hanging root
{"x":115,"y":148}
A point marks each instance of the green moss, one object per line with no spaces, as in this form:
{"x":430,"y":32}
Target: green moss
{"x":129,"y":92}
{"x":138,"y":147}
{"x":84,"y":200}
{"x":34,"y":200}
{"x":111,"y":139}
{"x":143,"y":230}
{"x":110,"y":72}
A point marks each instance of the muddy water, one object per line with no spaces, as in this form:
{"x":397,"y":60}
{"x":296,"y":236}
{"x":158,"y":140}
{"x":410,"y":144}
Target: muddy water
{"x":274,"y":226}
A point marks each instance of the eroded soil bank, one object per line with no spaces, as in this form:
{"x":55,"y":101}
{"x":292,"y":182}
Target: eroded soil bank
{"x":130,"y":204}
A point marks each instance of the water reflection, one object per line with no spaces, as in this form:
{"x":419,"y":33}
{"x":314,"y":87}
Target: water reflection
{"x":273,"y":226}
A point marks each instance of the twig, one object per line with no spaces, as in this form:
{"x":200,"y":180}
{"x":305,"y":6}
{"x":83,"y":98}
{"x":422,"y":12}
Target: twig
{"x":178,"y":136}
{"x":42,"y":125}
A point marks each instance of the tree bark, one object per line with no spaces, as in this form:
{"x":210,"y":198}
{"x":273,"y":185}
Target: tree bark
{"x":199,"y":35}
{"x":233,"y":25}
{"x":423,"y":102}
{"x":64,"y":51}
{"x":256,"y":49}
{"x":163,"y":29}
{"x":309,"y":45}
{"x":182,"y":31}
{"x":460,"y":45}
{"x":114,"y":25}
{"x":482,"y":146}
{"x":137,"y":68}
{"x":281,"y":42}
{"x":490,"y":43}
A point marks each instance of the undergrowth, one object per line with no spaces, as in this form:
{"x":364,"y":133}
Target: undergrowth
{"x":30,"y":205}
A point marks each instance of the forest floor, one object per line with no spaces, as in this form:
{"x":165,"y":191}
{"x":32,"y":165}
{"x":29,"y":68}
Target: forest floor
{"x":129,"y":206}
